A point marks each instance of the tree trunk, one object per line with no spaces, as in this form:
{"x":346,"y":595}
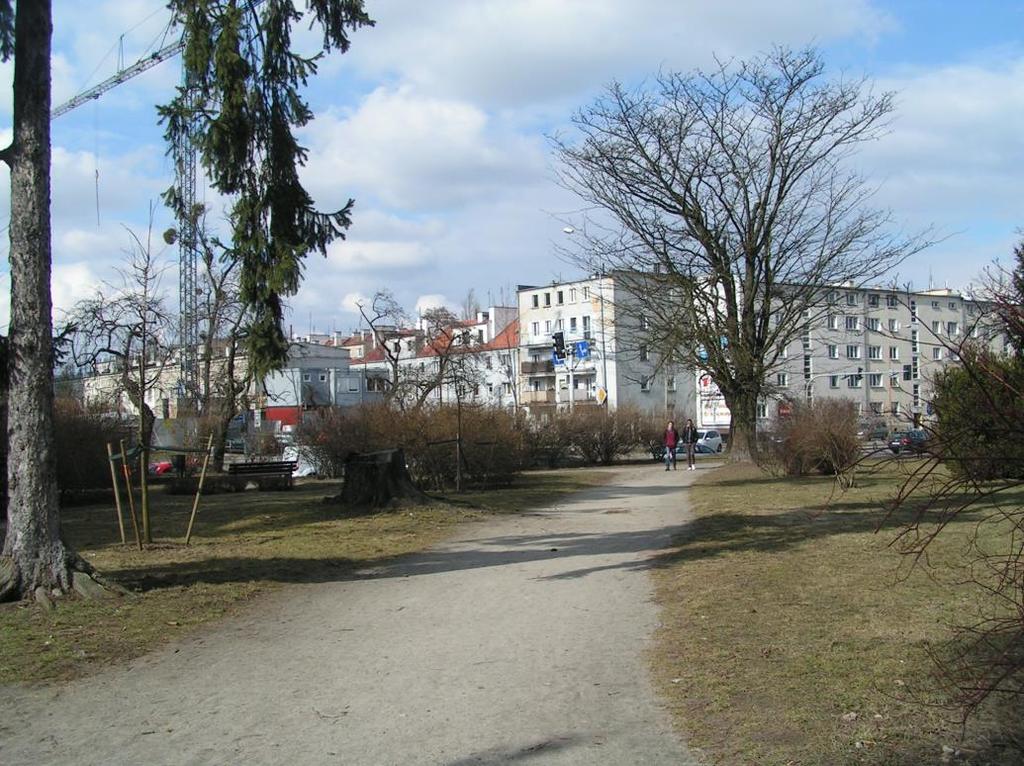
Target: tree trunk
{"x":33,"y":541}
{"x":743,"y":429}
{"x":379,"y":479}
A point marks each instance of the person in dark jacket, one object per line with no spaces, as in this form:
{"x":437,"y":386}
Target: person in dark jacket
{"x":689,"y":438}
{"x":670,"y":441}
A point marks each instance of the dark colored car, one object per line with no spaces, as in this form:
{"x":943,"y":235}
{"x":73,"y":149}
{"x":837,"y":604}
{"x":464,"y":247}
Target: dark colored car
{"x":915,"y":441}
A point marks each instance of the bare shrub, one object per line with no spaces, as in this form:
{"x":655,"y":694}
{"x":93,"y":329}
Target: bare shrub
{"x":81,"y":446}
{"x":819,"y":437}
{"x":601,"y":437}
{"x":493,"y":441}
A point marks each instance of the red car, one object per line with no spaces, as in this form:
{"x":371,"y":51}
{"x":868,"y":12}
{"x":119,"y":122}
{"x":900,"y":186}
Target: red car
{"x":160,"y":467}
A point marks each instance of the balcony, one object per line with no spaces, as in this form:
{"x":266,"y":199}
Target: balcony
{"x":546,"y":367}
{"x":538,"y":397}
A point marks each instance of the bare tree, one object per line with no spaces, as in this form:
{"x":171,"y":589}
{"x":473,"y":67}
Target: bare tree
{"x":128,"y":326}
{"x":728,"y":210}
{"x":223,"y":382}
{"x":385,"y":317}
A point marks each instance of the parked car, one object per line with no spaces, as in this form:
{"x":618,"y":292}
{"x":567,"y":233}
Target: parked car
{"x":160,"y":467}
{"x":915,"y":441}
{"x":711,"y":440}
{"x":870,"y":431}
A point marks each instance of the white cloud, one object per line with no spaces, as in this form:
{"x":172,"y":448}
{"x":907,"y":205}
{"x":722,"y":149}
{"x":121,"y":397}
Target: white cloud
{"x":432,"y":301}
{"x":352,"y":301}
{"x":408,"y":151}
{"x":518,"y":52}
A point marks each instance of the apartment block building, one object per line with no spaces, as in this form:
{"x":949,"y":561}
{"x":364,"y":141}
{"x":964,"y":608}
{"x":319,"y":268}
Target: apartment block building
{"x":879,"y":348}
{"x":481,"y":355}
{"x":607,"y":360}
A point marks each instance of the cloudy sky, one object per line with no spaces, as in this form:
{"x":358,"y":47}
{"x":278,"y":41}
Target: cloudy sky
{"x":437,"y":123}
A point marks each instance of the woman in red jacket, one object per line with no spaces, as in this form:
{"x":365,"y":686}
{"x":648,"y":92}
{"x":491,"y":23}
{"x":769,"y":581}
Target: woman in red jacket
{"x":670,"y":441}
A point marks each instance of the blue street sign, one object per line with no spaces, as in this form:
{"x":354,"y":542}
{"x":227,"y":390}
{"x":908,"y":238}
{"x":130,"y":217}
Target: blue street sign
{"x":556,"y":358}
{"x":702,"y":353}
{"x":581,"y":349}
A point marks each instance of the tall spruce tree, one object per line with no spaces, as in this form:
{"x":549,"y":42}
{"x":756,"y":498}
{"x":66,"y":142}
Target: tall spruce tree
{"x":245,"y":79}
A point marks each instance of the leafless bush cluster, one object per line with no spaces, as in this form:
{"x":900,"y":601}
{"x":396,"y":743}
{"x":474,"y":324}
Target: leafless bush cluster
{"x":818,"y":437}
{"x":81,"y":445}
{"x":492,"y":446}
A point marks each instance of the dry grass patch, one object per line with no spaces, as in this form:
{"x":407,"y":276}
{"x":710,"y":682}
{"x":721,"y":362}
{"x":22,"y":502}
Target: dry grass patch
{"x":243,"y":545}
{"x":793,"y":633}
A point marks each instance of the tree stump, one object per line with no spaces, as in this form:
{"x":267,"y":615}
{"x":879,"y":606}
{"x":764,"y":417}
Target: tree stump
{"x":379,"y":479}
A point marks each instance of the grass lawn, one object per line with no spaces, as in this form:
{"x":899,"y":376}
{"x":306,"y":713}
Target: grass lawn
{"x":794,"y":633}
{"x":243,"y":544}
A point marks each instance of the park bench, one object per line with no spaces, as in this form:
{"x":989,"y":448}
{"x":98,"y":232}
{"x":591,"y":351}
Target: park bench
{"x":271,"y":474}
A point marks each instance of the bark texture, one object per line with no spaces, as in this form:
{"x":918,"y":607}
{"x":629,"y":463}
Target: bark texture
{"x":379,"y":479}
{"x":33,"y":542}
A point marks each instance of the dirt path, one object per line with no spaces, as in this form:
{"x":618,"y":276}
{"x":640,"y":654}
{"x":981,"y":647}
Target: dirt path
{"x":521,"y":641}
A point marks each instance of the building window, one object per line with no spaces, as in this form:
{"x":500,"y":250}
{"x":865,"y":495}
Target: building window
{"x":937,"y":352}
{"x":536,"y":301}
{"x":671,"y":382}
{"x":853,"y":381}
{"x":572,"y":295}
{"x":876,"y":408}
{"x":894,"y":353}
{"x":586,"y":325}
{"x":559,"y":324}
{"x":645,"y":323}
{"x":783,"y":352}
{"x":895,"y":408}
{"x":915,"y":346}
{"x":894,"y":380}
{"x":917,"y":395}
{"x":913,"y":312}
{"x":547,"y":299}
{"x":323,"y":377}
{"x":935,"y":305}
{"x":952,"y":329}
{"x":559,"y":296}
{"x":874,"y":352}
{"x":952,"y":306}
{"x":782,"y":379}
{"x":572,"y":324}
{"x":873,"y":301}
{"x":586,"y":293}
{"x":875,"y":380}
{"x":833,"y":322}
{"x":891,"y":302}
{"x":547,"y":326}
{"x":644,"y":353}
{"x":353,"y":385}
{"x":874,"y":324}
{"x":535,"y":328}
{"x":894,"y":325}
{"x":852,"y":323}
{"x":488,"y":362}
{"x":306,"y":377}
{"x":833,"y":381}
{"x":833,"y":352}
{"x":645,"y":383}
{"x":851,"y":299}
{"x":762,"y":409}
{"x":853,"y":352}
{"x":937,"y":328}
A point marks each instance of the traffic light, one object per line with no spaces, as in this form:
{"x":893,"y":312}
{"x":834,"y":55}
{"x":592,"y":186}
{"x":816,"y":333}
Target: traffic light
{"x":558,"y":344}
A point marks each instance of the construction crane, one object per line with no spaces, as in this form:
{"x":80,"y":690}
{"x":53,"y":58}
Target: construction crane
{"x":185,"y":174}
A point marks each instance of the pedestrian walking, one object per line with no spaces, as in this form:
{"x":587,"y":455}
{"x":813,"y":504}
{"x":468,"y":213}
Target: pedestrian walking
{"x":689,"y":438}
{"x":670,"y":441}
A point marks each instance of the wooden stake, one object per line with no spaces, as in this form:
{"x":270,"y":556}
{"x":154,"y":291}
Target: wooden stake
{"x":117,"y":491}
{"x":131,"y":498}
{"x":199,"y":490}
